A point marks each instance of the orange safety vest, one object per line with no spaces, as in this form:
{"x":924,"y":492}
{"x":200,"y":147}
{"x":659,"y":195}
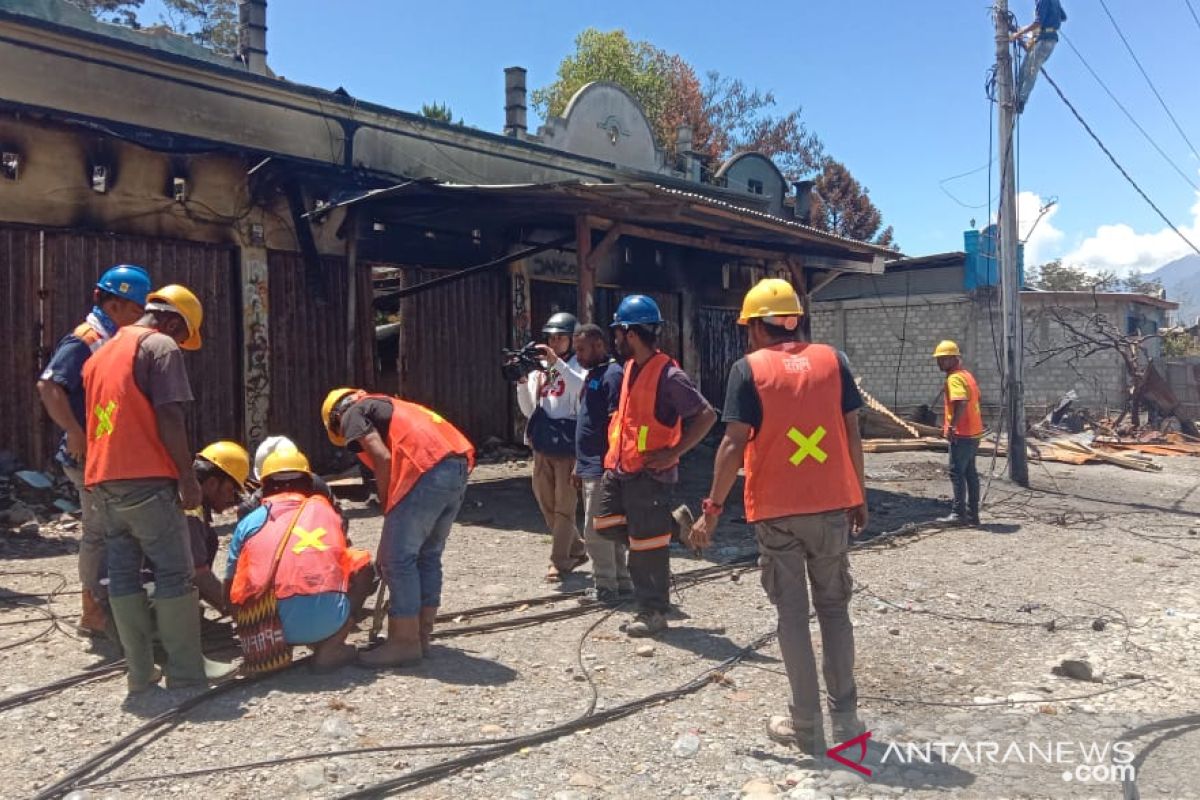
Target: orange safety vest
{"x":634,"y":429}
{"x":799,"y":460}
{"x":89,"y":336}
{"x":419,"y":438}
{"x":971,"y":422}
{"x":315,"y":558}
{"x":122,"y":428}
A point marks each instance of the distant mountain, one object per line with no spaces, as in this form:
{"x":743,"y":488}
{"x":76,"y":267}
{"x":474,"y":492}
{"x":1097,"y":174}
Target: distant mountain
{"x":1181,"y":279}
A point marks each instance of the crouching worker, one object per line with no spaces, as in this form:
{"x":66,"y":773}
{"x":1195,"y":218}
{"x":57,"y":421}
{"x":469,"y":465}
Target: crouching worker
{"x":421,"y":463}
{"x":291,"y":553}
{"x":221,"y":469}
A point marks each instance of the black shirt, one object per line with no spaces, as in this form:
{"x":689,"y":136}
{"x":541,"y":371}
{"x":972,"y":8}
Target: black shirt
{"x":368,"y":414}
{"x":742,"y":403}
{"x":601,"y":394}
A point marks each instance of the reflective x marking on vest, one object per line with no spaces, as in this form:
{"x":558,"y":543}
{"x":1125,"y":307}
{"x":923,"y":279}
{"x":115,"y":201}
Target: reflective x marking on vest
{"x":643,"y":432}
{"x":807,"y":446}
{"x":105,"y":414}
{"x":307,"y":539}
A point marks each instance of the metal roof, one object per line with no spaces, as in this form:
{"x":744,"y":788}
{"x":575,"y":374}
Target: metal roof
{"x":644,"y":204}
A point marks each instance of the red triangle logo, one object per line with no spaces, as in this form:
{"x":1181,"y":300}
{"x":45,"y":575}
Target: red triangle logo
{"x":861,"y":741}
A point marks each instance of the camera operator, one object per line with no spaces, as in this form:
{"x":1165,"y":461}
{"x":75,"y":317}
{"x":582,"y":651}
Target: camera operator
{"x":550,"y":400}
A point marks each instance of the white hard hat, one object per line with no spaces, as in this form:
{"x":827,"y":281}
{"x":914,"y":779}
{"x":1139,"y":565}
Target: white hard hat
{"x":269,"y":445}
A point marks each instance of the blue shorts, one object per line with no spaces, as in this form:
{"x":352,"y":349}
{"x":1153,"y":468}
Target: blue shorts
{"x":308,"y":619}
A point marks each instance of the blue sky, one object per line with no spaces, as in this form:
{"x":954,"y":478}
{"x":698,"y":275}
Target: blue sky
{"x":895,"y":90}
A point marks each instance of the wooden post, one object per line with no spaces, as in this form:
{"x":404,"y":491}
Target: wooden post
{"x":585,"y":306}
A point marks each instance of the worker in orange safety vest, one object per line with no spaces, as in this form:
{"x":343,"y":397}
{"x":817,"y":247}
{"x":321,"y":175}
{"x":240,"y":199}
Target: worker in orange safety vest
{"x":791,"y":419}
{"x":962,"y":425}
{"x":421,"y":464}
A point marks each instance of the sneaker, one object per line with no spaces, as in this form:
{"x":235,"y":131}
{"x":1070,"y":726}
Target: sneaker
{"x":626,"y":592}
{"x":783,"y":731}
{"x":609,"y":598}
{"x":953,"y":518}
{"x":973,"y":519}
{"x":646,"y":623}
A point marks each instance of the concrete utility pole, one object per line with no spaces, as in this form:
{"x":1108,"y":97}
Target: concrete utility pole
{"x":1010,"y":289}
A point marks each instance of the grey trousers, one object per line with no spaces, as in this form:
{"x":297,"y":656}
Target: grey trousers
{"x":792,"y":552}
{"x":610,"y":559}
{"x":91,"y":542}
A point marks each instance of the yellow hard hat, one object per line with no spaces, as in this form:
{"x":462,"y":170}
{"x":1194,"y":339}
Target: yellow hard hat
{"x":285,"y":459}
{"x":183,"y":302}
{"x":946,"y":348}
{"x":231,"y":458}
{"x":770,"y":297}
{"x":331,"y":400}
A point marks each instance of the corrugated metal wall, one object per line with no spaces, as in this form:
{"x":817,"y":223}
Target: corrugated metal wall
{"x":308,"y":352}
{"x":722,"y":342}
{"x":450,"y":344}
{"x":46,"y":295}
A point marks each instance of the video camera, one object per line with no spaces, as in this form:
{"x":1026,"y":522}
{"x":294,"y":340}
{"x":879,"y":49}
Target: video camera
{"x":519,"y":363}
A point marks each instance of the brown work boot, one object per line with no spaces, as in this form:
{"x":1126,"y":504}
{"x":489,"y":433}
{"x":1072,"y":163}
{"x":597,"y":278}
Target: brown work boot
{"x":428,"y":619}
{"x":94,"y":619}
{"x":402,"y":648}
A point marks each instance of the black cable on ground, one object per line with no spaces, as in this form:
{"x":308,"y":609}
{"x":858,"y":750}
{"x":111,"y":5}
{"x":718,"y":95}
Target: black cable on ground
{"x":444,"y":769}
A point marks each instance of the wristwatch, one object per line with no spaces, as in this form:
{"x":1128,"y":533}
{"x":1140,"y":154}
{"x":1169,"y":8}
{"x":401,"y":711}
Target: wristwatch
{"x":710,"y":508}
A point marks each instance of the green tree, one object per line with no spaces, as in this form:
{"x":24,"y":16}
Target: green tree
{"x":440,"y":112}
{"x":1138,"y":283}
{"x":640,"y":68}
{"x":726,"y":116}
{"x":120,"y":12}
{"x":212,"y":23}
{"x":1055,"y":276}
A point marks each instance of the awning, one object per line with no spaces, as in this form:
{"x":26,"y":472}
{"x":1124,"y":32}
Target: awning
{"x":644,"y":210}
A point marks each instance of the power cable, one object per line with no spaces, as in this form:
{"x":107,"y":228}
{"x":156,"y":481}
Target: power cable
{"x":1146,"y":75}
{"x":1192,"y":9}
{"x":1129,"y":115}
{"x":1116,"y":163}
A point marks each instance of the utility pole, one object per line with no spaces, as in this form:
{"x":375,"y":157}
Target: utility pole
{"x":1010,"y":289}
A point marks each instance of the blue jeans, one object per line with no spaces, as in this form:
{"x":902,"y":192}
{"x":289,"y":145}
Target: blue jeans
{"x":414,"y":536}
{"x":1034,"y":60}
{"x":964,"y":478}
{"x":143,"y":519}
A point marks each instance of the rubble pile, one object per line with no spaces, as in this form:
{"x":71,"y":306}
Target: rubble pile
{"x":31,"y":500}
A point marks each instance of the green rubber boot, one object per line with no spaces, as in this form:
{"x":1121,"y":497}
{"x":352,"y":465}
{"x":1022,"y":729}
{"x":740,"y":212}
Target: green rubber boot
{"x":179,"y":630}
{"x":135,"y":627}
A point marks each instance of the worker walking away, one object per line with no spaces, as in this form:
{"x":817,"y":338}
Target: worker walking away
{"x":116,"y":302}
{"x":139,"y":469}
{"x":601,"y":394}
{"x":962,"y":425}
{"x":791,"y":419}
{"x":1048,"y":16}
{"x":421,"y":464}
{"x":294,"y":544}
{"x":550,"y":401}
{"x":660,"y":416}
{"x":221,"y":469}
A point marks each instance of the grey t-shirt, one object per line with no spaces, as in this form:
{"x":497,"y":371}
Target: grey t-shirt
{"x":159,"y":371}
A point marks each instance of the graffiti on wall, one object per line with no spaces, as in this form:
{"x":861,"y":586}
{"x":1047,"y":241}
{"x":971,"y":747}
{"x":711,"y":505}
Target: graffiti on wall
{"x":257,"y":358}
{"x":552,"y":266}
{"x":520,"y":301}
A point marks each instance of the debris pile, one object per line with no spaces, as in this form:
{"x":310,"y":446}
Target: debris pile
{"x":30,"y":499}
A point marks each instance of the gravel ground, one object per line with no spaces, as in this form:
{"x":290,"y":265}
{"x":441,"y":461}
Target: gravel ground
{"x":957,"y":630}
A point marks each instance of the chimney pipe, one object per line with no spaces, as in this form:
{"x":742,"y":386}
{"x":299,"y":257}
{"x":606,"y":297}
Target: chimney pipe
{"x":514,"y":102}
{"x":252,"y":34}
{"x":803,"y":208}
{"x":687,"y":157}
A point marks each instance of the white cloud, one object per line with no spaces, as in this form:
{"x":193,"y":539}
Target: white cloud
{"x":1122,"y":249}
{"x":1042,"y":240}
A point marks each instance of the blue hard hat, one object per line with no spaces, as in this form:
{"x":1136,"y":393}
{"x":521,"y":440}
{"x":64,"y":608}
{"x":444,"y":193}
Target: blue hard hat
{"x":637,"y":309}
{"x":128,"y":281}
